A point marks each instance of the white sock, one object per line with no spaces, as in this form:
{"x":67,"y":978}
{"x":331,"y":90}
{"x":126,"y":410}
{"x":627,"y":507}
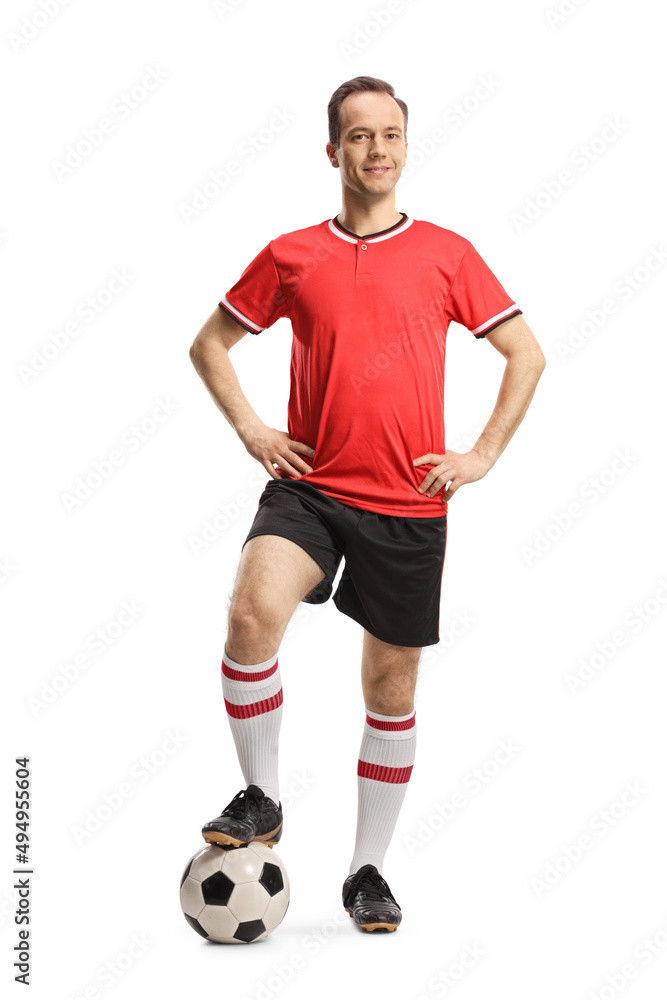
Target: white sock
{"x":253,"y":696}
{"x":385,"y":764}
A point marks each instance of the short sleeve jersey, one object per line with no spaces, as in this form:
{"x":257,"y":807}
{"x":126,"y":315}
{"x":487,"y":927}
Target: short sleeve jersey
{"x":369,"y":319}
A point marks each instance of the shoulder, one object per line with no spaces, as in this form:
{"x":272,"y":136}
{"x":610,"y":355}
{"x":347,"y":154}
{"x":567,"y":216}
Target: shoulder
{"x":440,"y":237}
{"x":298,"y":240}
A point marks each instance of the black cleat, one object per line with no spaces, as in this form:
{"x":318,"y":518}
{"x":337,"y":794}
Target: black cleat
{"x":368,"y":899}
{"x":251,"y":815}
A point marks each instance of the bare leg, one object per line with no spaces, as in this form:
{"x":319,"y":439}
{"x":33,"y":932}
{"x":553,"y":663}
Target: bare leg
{"x":389,"y":676}
{"x":273,"y":576}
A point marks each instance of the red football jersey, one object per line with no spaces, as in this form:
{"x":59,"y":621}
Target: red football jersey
{"x":369,"y":319}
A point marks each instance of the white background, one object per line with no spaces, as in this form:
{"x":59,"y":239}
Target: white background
{"x":542,"y":591}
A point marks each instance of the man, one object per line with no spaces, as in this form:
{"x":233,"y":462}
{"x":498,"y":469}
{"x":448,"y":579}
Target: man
{"x":362,"y":471}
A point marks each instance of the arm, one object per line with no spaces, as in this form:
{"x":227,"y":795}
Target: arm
{"x":209,"y":354}
{"x":525,"y":362}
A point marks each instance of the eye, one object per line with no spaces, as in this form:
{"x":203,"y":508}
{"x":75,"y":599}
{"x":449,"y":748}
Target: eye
{"x":361,"y":135}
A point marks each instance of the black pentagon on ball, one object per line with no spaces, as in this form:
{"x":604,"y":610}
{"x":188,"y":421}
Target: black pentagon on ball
{"x":216,"y":889}
{"x":248,"y":930}
{"x":271,"y":878}
{"x":187,"y":870}
{"x":195,"y":923}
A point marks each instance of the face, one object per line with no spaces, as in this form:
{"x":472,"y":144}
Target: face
{"x":373,"y":149}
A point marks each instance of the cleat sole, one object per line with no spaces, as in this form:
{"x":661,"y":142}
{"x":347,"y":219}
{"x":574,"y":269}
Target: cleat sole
{"x":379,"y":926}
{"x":226,"y":839}
{"x":270,"y":838}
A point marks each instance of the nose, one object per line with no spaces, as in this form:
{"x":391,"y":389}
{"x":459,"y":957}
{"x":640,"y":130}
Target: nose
{"x":377,"y":148}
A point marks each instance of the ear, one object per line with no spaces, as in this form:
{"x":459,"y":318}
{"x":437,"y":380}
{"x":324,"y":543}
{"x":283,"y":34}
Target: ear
{"x":331,"y":153}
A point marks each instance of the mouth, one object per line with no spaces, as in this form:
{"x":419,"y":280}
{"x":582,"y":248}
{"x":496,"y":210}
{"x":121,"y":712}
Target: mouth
{"x":376,"y":170}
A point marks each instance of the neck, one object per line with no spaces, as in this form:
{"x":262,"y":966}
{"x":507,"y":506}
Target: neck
{"x":364,"y":219}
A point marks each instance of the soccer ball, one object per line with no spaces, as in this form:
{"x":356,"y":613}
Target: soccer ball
{"x":234,"y":895}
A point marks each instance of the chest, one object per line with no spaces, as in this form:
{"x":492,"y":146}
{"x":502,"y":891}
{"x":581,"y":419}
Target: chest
{"x":366,"y":286}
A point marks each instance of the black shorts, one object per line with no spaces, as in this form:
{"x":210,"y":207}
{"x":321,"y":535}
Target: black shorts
{"x":392,"y":576}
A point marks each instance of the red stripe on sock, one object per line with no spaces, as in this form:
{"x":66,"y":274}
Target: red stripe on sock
{"x":256,"y":708}
{"x":394,"y":775}
{"x":393,"y":726}
{"x":244,"y":675}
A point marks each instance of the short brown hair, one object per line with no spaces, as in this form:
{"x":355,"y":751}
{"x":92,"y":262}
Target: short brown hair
{"x":359,"y":84}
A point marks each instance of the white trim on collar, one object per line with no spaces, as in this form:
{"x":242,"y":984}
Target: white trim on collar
{"x":373,"y":239}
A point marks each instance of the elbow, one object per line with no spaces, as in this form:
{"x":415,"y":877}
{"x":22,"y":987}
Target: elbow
{"x":540,"y":363}
{"x":536,"y":360}
{"x":195,"y":351}
{"x":531,"y":360}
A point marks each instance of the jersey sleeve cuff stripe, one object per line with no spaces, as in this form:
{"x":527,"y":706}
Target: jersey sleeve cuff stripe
{"x":239,"y":317}
{"x":491,"y":324}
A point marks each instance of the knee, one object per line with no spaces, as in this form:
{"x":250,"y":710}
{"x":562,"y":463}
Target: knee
{"x":390,"y":694}
{"x":252,"y":632}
